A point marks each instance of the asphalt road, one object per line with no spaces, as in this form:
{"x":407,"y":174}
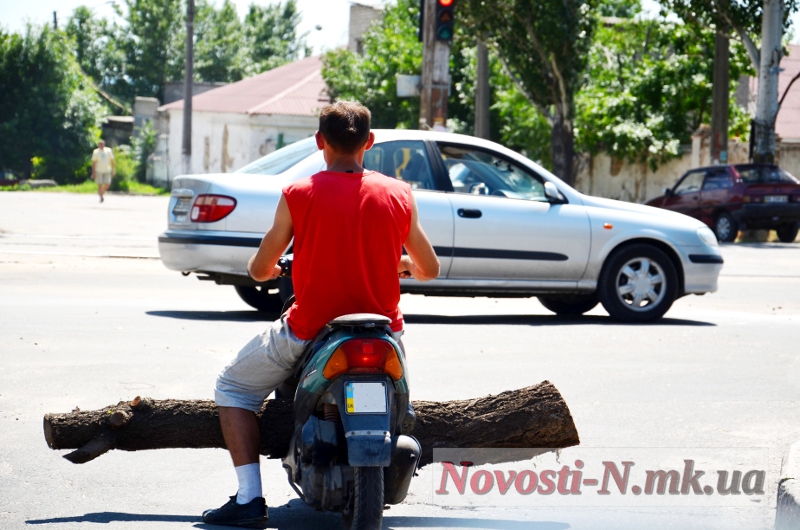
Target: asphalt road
{"x":89,"y":317}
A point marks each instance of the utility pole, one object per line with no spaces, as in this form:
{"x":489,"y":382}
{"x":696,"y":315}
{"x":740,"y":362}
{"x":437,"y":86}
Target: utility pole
{"x":720,"y":98}
{"x":482,"y":93}
{"x":435,"y":72}
{"x":187,"y":89}
{"x":767,"y":102}
{"x":55,"y":21}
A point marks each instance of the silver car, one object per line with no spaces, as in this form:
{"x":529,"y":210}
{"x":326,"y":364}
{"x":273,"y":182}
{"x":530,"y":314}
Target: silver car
{"x":501,"y":225}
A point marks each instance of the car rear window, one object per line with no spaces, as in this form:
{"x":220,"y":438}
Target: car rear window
{"x":284,"y":158}
{"x":766,"y":174}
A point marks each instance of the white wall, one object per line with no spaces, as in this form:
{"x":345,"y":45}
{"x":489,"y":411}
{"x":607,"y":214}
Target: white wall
{"x":604,"y":176}
{"x":224,"y":142}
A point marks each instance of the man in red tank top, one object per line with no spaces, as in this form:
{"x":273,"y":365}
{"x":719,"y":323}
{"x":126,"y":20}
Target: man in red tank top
{"x":349,"y":227}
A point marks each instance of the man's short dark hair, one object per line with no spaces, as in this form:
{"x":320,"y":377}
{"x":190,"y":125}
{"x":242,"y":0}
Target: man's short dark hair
{"x":345,"y":125}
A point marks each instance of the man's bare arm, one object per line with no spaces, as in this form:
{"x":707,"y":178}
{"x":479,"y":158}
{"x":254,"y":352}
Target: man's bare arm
{"x":263,"y":265}
{"x":421,"y":261}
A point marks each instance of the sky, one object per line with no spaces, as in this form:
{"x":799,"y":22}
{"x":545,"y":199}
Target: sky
{"x":331,"y":15}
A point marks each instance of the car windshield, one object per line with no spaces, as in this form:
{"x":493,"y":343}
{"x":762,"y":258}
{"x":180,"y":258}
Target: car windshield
{"x":279,"y":161}
{"x":766,"y":174}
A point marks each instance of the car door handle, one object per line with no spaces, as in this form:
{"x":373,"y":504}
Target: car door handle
{"x":469,"y":214}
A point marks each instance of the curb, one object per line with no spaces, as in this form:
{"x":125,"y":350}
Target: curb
{"x":787,"y":512}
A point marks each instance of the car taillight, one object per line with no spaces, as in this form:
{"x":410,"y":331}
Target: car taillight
{"x":210,"y":208}
{"x":364,"y":356}
{"x":752,"y":198}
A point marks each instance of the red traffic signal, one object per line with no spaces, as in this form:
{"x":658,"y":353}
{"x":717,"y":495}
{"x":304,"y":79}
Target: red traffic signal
{"x":445,"y":20}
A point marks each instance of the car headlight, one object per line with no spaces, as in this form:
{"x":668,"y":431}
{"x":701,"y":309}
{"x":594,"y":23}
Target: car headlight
{"x":707,"y":236}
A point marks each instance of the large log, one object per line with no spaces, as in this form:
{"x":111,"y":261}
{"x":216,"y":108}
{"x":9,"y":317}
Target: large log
{"x":532,"y":417}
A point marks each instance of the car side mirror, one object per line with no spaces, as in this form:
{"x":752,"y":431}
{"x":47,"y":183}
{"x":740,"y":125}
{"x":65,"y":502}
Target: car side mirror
{"x":668,"y":192}
{"x":551,"y":192}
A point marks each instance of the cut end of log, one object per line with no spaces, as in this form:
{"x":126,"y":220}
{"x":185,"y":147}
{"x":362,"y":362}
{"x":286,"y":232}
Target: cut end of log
{"x":48,"y":432}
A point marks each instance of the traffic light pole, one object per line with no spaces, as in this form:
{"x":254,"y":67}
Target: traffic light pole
{"x":435,"y":73}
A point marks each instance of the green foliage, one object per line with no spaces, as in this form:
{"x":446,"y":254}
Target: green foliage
{"x":644,"y":101}
{"x":125,"y":165}
{"x":47,"y":109}
{"x":95,"y":42}
{"x":219,"y":50}
{"x":744,"y":14}
{"x":153,"y":44}
{"x":138,"y":57}
{"x":142,"y":146}
{"x":544,"y":47}
{"x":270,"y":34}
{"x":620,"y":8}
{"x":390,"y":47}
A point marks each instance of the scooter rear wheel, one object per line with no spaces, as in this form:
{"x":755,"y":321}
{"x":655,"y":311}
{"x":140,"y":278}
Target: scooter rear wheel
{"x":366,"y":510}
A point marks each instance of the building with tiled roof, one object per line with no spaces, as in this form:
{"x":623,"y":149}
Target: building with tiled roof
{"x":240,"y":122}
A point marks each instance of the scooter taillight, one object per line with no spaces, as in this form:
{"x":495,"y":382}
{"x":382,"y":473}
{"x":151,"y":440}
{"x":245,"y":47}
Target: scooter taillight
{"x":364,"y":356}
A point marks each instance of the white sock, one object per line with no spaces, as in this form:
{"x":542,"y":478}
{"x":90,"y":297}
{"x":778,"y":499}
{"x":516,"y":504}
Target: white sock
{"x":249,"y":477}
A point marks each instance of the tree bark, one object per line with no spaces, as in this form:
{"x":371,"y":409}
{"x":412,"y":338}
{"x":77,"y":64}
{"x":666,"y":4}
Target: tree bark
{"x":720,"y":105}
{"x":767,"y":102}
{"x":563,"y":147}
{"x":532,"y":417}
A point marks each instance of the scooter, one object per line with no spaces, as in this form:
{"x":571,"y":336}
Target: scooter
{"x":348,"y":452}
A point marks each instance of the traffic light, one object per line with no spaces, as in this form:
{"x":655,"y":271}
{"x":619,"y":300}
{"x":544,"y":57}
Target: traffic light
{"x":421,"y":21}
{"x":445,"y":19}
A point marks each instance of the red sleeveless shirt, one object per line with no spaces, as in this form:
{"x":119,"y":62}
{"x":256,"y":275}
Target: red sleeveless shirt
{"x":349,"y":230}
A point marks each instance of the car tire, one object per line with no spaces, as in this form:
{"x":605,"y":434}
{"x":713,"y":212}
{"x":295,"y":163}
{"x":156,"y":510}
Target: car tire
{"x":260,"y":298}
{"x":726,"y":228}
{"x":569,"y":305}
{"x":638,"y":283}
{"x":787,"y":233}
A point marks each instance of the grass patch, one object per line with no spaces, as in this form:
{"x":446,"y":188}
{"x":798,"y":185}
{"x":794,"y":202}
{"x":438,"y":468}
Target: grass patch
{"x":125,"y":187}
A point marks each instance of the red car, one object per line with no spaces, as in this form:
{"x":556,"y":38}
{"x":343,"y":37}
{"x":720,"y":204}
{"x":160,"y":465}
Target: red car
{"x":737,"y":197}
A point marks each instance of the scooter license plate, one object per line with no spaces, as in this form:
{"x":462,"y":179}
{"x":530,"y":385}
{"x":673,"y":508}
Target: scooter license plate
{"x":366,"y":398}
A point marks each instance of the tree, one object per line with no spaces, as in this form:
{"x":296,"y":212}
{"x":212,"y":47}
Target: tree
{"x":649,"y":89}
{"x":544,"y":47}
{"x":153,"y":44}
{"x":271,"y":36}
{"x":96,"y":45}
{"x":219,"y":49}
{"x":390,"y":47}
{"x":747,"y":20}
{"x":48,"y":113}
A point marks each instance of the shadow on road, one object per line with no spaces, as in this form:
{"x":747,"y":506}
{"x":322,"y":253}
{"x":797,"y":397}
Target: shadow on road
{"x":519,"y":320}
{"x":295,"y":515}
{"x":459,"y":522}
{"x":112,"y":517}
{"x":540,"y":320}
{"x":232,"y":316}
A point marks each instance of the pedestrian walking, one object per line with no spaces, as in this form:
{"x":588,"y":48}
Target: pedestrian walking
{"x":103,"y":168}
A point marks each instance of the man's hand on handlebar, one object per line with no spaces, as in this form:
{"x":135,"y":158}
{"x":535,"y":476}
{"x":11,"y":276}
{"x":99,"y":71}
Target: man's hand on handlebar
{"x":406,"y":268}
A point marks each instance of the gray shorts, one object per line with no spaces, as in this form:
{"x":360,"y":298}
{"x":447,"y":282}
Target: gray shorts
{"x":102,"y":177}
{"x":261,"y":366}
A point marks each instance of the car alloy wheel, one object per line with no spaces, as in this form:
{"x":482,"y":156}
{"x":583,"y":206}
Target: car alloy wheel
{"x":638,"y":284}
{"x":726,"y":228}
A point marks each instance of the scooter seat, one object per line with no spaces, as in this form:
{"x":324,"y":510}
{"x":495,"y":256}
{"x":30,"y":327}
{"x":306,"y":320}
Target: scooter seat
{"x":360,"y":319}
